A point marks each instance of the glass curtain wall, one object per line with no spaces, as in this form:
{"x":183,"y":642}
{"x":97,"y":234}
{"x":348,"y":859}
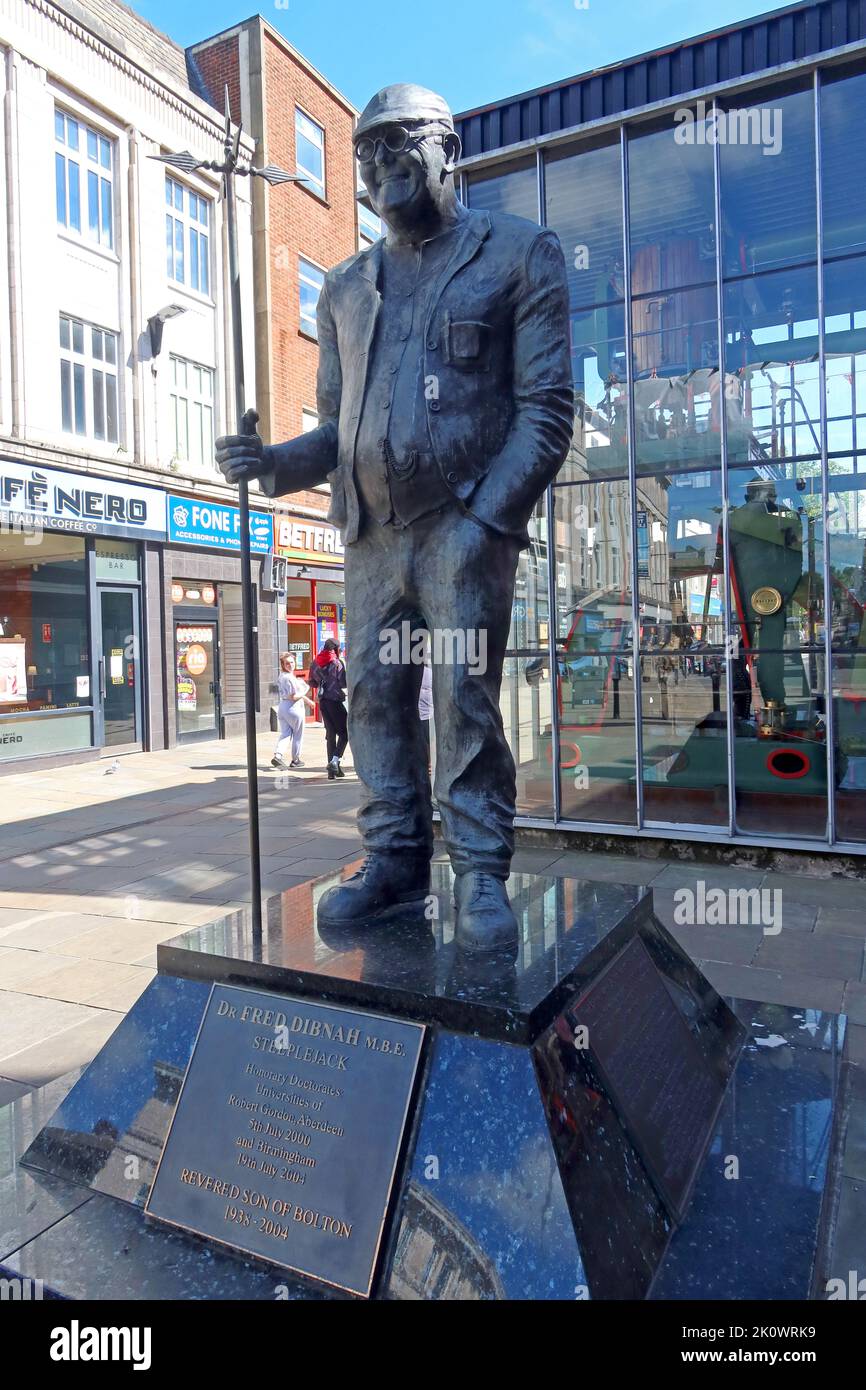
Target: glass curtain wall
{"x":704,"y":545}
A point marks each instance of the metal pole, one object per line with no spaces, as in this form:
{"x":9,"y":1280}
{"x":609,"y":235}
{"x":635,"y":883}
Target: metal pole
{"x":247,"y":421}
{"x":732,"y":651}
{"x":827,"y":572}
{"x":631,"y":444}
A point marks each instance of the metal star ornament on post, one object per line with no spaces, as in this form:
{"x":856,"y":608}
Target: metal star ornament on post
{"x":248,"y":419}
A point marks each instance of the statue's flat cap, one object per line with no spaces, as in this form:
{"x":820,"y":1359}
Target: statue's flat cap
{"x":404,"y":101}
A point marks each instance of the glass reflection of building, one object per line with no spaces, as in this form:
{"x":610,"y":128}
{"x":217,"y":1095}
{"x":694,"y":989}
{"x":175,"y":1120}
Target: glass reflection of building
{"x":688,"y":647}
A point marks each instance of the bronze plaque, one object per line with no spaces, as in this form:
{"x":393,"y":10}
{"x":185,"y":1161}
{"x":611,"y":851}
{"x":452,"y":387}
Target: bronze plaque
{"x":656,"y":1075}
{"x":766,"y":601}
{"x":287,"y":1131}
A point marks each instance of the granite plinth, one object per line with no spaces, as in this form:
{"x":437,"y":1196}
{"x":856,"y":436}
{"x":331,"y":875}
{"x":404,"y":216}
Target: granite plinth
{"x":490,"y":1220}
{"x":524,"y":1174}
{"x":411,"y":967}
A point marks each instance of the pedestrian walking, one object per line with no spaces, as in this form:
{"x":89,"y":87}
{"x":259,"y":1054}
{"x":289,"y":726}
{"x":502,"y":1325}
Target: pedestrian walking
{"x":290,"y":714}
{"x":328,"y":679}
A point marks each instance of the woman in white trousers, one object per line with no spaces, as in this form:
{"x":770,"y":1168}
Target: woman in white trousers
{"x":290,"y":714}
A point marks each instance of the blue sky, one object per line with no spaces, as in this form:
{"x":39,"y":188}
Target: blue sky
{"x":473,"y":51}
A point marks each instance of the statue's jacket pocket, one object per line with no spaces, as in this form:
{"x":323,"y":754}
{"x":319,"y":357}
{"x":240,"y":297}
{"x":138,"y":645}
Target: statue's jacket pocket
{"x":467,"y":344}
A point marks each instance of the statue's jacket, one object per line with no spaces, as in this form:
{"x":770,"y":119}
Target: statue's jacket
{"x":496,"y":340}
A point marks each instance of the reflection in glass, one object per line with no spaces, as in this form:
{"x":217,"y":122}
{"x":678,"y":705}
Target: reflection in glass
{"x":676,"y":379}
{"x":671,"y":210}
{"x":525,"y":703}
{"x":584,"y":207}
{"x":600,"y":442}
{"x":509,"y":188}
{"x":771,"y":345}
{"x":847,"y":543}
{"x":681,"y":638}
{"x":531,"y":605}
{"x":595,"y":677}
{"x":767,"y":159}
{"x":776,"y":540}
{"x":684,"y":732}
{"x":843,"y":158}
{"x":845,"y":346}
{"x":776,"y":544}
{"x":680,"y":561}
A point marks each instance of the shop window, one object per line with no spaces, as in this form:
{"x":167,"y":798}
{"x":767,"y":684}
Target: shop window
{"x":192,"y":406}
{"x":509,"y":188}
{"x":187,"y":236}
{"x":88,"y":380}
{"x":83,"y":165}
{"x":44,"y":646}
{"x":299,"y":597}
{"x":310,"y":282}
{"x":767,"y":157}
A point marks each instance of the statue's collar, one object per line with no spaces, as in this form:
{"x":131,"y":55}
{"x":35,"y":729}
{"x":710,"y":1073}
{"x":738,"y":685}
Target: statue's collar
{"x":474,"y":223}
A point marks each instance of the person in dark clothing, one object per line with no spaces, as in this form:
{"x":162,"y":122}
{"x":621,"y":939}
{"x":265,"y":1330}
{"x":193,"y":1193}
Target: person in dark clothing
{"x":328,"y":679}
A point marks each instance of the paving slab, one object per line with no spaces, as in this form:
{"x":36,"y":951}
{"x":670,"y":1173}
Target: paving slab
{"x":734,"y":945}
{"x":827,"y":955}
{"x":606,"y":868}
{"x":822,"y":892}
{"x":841,"y":921}
{"x":855,"y":1047}
{"x":854,"y":1003}
{"x":849,"y":1245}
{"x":24,"y":1017}
{"x":787,"y":987}
{"x":676,"y":875}
{"x":62,"y":1052}
{"x":854,"y":1155}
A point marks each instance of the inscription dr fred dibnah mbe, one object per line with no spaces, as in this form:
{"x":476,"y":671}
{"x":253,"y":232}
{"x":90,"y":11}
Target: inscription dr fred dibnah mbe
{"x":302,"y":1096}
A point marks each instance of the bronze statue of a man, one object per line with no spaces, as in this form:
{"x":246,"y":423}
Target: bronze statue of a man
{"x":445,"y":408}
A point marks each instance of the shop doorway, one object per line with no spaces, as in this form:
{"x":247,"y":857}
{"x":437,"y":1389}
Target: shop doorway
{"x":197,"y":681}
{"x":118,"y":710}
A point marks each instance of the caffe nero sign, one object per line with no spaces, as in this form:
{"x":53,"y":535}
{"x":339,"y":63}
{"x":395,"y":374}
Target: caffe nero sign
{"x":32,"y":498}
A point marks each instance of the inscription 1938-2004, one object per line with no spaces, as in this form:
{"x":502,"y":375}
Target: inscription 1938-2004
{"x":286,"y":1135}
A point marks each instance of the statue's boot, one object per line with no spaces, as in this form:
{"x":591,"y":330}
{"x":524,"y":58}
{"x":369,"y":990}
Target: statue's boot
{"x":485,"y":919}
{"x":384,"y":882}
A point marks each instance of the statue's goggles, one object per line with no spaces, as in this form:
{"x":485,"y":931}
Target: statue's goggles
{"x":395,"y":138}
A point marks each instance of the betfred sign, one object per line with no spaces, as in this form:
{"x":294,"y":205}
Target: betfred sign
{"x":300,"y":538}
